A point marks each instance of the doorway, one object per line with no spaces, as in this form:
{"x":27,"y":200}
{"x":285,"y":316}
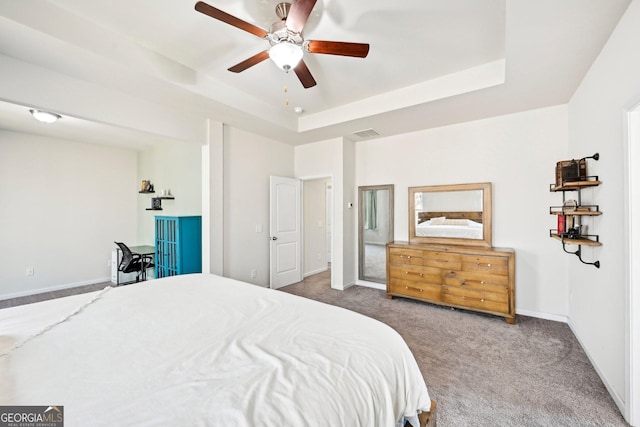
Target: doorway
{"x":317,"y":226}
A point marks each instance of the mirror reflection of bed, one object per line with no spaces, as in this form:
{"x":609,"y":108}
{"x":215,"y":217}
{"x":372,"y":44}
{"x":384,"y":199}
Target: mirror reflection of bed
{"x":463,"y":225}
{"x":457,"y":214}
{"x":375,"y":230}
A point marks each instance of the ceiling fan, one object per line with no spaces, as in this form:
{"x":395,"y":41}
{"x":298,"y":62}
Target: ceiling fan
{"x":285,"y":37}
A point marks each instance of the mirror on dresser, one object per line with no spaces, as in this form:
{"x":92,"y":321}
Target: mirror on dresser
{"x":375,"y":230}
{"x":451,"y":214}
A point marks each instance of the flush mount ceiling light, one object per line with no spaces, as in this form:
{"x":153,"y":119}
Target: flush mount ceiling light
{"x":286,"y":55}
{"x":44,"y":116}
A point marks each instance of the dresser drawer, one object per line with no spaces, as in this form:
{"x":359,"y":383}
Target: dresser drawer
{"x":426,"y":291}
{"x":442,"y":260}
{"x":476,"y":303}
{"x":486,"y":264}
{"x":463,"y":291}
{"x":416,"y":273}
{"x":477,"y":281}
{"x":405,"y":256}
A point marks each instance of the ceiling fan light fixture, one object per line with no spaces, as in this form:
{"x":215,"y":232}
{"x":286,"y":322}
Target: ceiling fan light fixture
{"x":286,"y":55}
{"x":44,"y":116}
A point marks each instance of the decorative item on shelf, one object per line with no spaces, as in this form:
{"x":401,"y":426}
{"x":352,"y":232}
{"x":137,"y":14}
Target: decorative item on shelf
{"x":146,"y":187}
{"x":569,"y":222}
{"x":572,"y":170}
{"x":562,"y":224}
{"x":570,"y":205}
{"x":156,"y":204}
{"x":573,"y":232}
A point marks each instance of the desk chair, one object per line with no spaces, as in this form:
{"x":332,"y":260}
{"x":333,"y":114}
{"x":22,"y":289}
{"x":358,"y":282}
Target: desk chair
{"x":134,"y":263}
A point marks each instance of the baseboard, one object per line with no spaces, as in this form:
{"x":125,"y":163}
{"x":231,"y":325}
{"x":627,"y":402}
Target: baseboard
{"x":374,"y":285}
{"x":618,"y":400}
{"x":348,"y":285}
{"x":540,"y":315}
{"x":311,"y":273}
{"x":55,"y":288}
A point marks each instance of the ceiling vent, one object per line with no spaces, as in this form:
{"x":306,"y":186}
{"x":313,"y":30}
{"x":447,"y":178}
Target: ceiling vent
{"x":366,"y":133}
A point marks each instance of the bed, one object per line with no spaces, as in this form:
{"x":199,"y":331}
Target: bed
{"x":201,"y":349}
{"x":461,"y":225}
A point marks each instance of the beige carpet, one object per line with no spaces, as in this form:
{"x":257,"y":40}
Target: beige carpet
{"x":482,"y":371}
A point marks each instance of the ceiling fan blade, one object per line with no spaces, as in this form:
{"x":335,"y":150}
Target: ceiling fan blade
{"x":359,"y":50}
{"x":298,"y":14}
{"x":250,"y":62}
{"x":304,"y":75}
{"x":211,"y":11}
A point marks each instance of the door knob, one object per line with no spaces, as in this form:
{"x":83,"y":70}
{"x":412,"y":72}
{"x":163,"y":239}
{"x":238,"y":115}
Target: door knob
{"x":274,"y":238}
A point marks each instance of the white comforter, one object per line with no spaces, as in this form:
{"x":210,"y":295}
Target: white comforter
{"x":205,"y":350}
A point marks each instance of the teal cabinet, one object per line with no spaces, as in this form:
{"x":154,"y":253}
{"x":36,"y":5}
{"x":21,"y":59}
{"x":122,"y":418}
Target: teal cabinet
{"x":178,"y":245}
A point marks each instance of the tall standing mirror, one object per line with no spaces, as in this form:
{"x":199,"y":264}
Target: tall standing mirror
{"x":451,"y":214}
{"x":375,"y":225}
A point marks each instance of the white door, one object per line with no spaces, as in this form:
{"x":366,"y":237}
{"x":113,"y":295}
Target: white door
{"x":285,"y":231}
{"x":328,"y":220}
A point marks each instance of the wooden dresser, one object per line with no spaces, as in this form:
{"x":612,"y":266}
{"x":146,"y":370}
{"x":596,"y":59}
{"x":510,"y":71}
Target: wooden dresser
{"x":471,"y":278}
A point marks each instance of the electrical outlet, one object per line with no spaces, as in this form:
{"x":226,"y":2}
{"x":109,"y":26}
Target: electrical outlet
{"x":254,"y":273}
{"x":29,"y":271}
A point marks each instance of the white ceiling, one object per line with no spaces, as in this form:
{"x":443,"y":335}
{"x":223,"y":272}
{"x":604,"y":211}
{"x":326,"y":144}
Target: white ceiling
{"x":431,"y":62}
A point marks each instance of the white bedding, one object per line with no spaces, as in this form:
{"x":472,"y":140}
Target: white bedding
{"x":472,"y":230}
{"x":205,"y":350}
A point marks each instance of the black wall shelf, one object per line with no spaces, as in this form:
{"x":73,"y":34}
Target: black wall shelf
{"x":156,"y":202}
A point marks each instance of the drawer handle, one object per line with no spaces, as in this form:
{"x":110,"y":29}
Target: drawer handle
{"x":482,"y":282}
{"x":479,"y":264}
{"x":411,"y":272}
{"x":415,"y":289}
{"x":481,"y":299}
{"x":407,"y":256}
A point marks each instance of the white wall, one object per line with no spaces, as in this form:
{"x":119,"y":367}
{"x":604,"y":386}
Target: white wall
{"x":249,"y":160}
{"x":213,"y":199}
{"x":596,"y":124}
{"x":63,"y":205}
{"x":349,"y":209}
{"x":171,"y":166}
{"x":517,"y":153}
{"x":314,"y":226}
